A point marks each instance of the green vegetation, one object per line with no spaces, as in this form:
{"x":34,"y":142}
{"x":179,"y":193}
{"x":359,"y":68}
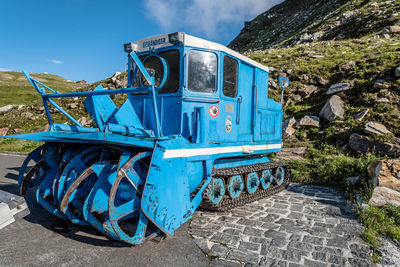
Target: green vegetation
{"x":380,"y":221}
{"x":16,"y":89}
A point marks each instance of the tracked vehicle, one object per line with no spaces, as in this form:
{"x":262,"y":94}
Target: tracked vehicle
{"x":195,"y":131}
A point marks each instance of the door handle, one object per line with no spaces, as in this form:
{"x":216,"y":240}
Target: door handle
{"x":239,"y":102}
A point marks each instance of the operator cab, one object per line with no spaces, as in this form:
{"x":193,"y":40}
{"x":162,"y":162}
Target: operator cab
{"x":206,"y":92}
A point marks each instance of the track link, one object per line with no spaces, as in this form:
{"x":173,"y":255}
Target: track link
{"x":227,"y":203}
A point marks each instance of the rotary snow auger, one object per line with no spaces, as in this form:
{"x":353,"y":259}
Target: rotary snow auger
{"x":194,"y":131}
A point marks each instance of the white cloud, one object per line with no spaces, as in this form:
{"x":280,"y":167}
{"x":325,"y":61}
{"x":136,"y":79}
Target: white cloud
{"x":210,"y":17}
{"x":5,"y":69}
{"x":56,"y":61}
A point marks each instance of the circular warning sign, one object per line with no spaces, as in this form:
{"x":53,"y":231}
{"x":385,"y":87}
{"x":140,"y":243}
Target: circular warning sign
{"x":213,"y":111}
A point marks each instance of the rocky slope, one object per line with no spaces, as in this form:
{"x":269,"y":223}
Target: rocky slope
{"x":294,"y":22}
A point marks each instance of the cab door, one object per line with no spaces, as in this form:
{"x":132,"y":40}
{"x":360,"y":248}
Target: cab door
{"x":230,"y":99}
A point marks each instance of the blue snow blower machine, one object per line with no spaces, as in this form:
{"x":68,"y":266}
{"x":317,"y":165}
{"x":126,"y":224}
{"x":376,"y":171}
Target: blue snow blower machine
{"x":195,"y":131}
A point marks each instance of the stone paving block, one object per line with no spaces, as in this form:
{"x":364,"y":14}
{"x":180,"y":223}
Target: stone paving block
{"x":303,"y":226}
{"x":249,"y":246}
{"x":245,"y":256}
{"x":266,"y":261}
{"x":218,"y":250}
{"x":310,"y":263}
{"x":224,"y":263}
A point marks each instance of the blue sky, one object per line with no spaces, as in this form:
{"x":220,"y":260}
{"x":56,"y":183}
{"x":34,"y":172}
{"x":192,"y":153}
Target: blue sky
{"x":83,"y":39}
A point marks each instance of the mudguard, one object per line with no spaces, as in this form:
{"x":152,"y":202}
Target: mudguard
{"x":166,"y":199}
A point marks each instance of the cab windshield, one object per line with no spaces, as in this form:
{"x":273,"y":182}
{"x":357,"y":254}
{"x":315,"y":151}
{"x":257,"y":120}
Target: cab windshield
{"x":156,"y":69}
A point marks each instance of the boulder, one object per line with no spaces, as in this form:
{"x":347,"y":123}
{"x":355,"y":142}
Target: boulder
{"x":380,"y":84}
{"x":375,"y":128}
{"x":6,"y":108}
{"x":292,"y":153}
{"x":303,"y":77}
{"x":72,"y":105}
{"x":363,"y":144}
{"x":397,"y":72}
{"x":295,"y":97}
{"x":349,"y":65}
{"x":383,"y":195}
{"x":83,"y":121}
{"x":360,"y":115}
{"x":392,"y":29}
{"x":3,"y":132}
{"x":333,"y":108}
{"x":385,"y":173}
{"x":28,"y":115}
{"x":321,"y":81}
{"x":309,"y":121}
{"x":288,"y":126}
{"x":307,"y":90}
{"x":338,"y":87}
{"x":272,"y":84}
{"x":383,"y":100}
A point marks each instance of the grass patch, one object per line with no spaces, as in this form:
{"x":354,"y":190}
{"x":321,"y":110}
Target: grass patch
{"x":380,"y":221}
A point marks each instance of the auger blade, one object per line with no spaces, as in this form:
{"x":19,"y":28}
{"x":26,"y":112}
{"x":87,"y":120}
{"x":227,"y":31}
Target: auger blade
{"x":126,"y":216}
{"x":72,"y":208}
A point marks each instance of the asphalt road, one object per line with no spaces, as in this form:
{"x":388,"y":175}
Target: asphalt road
{"x":32,"y":241}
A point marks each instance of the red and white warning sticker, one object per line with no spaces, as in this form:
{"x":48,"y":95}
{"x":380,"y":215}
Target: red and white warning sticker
{"x":213,"y":111}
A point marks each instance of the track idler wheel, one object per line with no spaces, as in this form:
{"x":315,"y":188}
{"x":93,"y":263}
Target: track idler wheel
{"x":266,"y":179}
{"x":125,"y":214}
{"x":235,"y":186}
{"x":216,"y":190}
{"x":279,"y":175}
{"x":252,"y":182}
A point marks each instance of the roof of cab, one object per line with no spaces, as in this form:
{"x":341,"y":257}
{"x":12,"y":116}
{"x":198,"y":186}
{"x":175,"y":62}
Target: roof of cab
{"x":162,"y":40}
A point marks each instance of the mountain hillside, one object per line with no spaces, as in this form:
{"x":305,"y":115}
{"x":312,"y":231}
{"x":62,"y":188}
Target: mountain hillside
{"x":294,"y":22}
{"x":342,"y":108}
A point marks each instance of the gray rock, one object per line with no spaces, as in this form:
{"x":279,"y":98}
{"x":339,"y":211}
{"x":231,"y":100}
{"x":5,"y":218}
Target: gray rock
{"x":296,"y":97}
{"x":28,"y":115}
{"x":397,"y":72}
{"x":383,"y":100}
{"x":3,"y":132}
{"x":363,"y":144}
{"x":383,"y":195}
{"x":291,"y":153}
{"x":338,"y":87}
{"x":392,"y":29}
{"x":322,"y":81}
{"x":334,"y":108}
{"x":303,"y":77}
{"x":83,"y":121}
{"x":360,"y":115}
{"x":6,"y":108}
{"x":309,"y":121}
{"x":375,"y":128}
{"x":349,"y":65}
{"x":72,"y":105}
{"x":307,"y":90}
{"x":272,"y":84}
{"x":381,"y":85}
{"x":288,"y":126}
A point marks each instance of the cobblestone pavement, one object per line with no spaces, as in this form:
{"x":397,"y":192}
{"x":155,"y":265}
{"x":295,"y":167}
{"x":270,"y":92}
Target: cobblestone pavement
{"x":305,"y":225}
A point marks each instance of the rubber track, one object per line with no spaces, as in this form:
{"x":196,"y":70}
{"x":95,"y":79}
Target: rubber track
{"x":227,"y":203}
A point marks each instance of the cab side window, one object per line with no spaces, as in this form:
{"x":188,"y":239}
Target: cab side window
{"x":202,"y":73}
{"x":230,"y":77}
